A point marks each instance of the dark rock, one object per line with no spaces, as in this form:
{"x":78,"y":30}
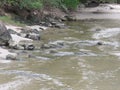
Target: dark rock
{"x":4,"y":35}
{"x":17,"y":47}
{"x":33,"y":36}
{"x":30,"y":47}
{"x":98,"y":29}
{"x":58,"y":25}
{"x":53,"y":51}
{"x":41,"y":28}
{"x":22,"y":45}
{"x":99,"y":43}
{"x":27,"y":30}
{"x":31,"y":56}
{"x":48,"y":46}
{"x":70,"y":18}
{"x":61,"y":43}
{"x":63,"y":19}
{"x":92,"y":3}
{"x":53,"y":23}
{"x":52,"y":45}
{"x":47,"y":24}
{"x":45,"y":46}
{"x":11,"y":57}
{"x":12,"y":31}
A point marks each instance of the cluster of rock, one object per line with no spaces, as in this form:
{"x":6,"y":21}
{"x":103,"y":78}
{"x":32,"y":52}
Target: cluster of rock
{"x":22,"y":40}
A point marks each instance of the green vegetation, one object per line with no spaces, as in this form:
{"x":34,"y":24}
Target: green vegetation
{"x":70,"y":4}
{"x":37,"y":4}
{"x":9,"y":20}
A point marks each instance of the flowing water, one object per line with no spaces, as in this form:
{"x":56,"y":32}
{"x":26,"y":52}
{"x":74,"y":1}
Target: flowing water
{"x":84,"y":57}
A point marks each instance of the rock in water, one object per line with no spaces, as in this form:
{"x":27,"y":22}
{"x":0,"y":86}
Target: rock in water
{"x":4,"y":35}
{"x":11,"y":57}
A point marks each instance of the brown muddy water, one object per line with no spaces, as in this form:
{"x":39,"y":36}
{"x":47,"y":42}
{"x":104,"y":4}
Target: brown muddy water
{"x":84,"y":57}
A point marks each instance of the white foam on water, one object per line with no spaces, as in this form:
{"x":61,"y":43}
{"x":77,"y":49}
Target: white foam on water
{"x":42,"y":58}
{"x":64,"y":53}
{"x":84,"y":42}
{"x":15,"y":85}
{"x":33,"y":76}
{"x":56,"y":42}
{"x":91,"y":77}
{"x":5,"y":61}
{"x":116,"y":53}
{"x":110,"y":32}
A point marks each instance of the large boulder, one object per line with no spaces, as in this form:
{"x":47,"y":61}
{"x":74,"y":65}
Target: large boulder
{"x":4,"y":35}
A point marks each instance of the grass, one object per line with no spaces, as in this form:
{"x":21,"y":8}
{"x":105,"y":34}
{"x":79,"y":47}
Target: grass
{"x":10,"y":20}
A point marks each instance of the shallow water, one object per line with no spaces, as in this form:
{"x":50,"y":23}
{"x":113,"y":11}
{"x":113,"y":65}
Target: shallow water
{"x":76,"y":63}
{"x":90,"y":15}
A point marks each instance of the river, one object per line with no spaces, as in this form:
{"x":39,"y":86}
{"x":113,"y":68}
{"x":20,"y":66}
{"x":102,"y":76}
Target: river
{"x":84,"y":57}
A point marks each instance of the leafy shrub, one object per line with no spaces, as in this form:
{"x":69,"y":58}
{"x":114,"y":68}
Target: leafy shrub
{"x":30,"y":4}
{"x":70,"y":4}
{"x":37,"y":4}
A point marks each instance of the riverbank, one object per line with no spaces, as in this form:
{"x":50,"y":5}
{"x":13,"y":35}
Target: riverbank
{"x":103,"y":11}
{"x":24,"y":37}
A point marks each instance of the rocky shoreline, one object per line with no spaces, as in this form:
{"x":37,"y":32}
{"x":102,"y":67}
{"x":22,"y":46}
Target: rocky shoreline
{"x":25,"y":38}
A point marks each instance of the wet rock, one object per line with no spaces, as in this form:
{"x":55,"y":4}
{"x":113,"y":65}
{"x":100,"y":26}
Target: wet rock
{"x":70,"y":18}
{"x":4,"y":35}
{"x":45,"y":46}
{"x":47,"y":24}
{"x":98,"y":29}
{"x":33,"y":36}
{"x":11,"y":57}
{"x":21,"y":44}
{"x":99,"y":43}
{"x":92,"y":3}
{"x":49,"y":46}
{"x":28,"y":30}
{"x":56,"y":44}
{"x":29,"y":47}
{"x":63,"y":19}
{"x":58,"y":25}
{"x":17,"y":42}
{"x":31,"y":56}
{"x":12,"y":31}
{"x":53,"y":51}
{"x":17,"y":47}
{"x":37,"y":27}
{"x":23,"y":47}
